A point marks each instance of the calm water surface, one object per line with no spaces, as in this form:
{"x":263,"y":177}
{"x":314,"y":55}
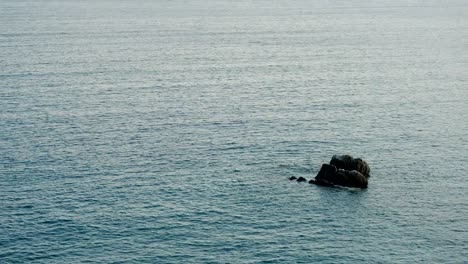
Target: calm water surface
{"x":165,"y":131}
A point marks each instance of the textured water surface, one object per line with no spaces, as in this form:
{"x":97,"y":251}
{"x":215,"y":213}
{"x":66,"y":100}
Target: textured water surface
{"x":165,"y":131}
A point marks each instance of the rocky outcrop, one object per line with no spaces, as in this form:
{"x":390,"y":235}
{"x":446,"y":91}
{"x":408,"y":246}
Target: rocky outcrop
{"x":343,"y":170}
{"x":330,"y":175}
{"x":348,"y":163}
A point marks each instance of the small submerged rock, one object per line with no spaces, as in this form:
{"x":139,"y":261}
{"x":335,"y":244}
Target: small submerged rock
{"x":301,"y":179}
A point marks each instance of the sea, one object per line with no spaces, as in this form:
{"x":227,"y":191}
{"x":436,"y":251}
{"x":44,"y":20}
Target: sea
{"x":165,"y":131}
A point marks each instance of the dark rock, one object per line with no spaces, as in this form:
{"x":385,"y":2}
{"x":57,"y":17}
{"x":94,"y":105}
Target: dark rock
{"x":330,"y":175}
{"x":320,"y":182}
{"x":350,"y":179}
{"x":356,"y":179}
{"x":301,"y":179}
{"x":343,"y":170}
{"x":348,"y":163}
{"x":326,"y":172}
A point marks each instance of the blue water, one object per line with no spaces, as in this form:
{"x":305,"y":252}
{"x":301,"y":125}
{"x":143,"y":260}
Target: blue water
{"x":166,"y":131}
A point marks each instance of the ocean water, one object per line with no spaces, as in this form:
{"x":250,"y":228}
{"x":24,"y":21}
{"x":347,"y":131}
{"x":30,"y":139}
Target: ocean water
{"x":166,"y":131}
